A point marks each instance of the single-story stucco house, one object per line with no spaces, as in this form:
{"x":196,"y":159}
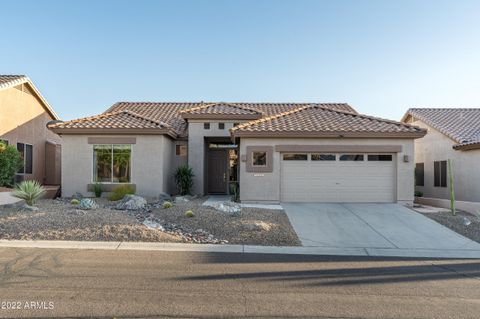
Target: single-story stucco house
{"x":452,"y":134}
{"x":24,"y":114}
{"x":274,"y":151}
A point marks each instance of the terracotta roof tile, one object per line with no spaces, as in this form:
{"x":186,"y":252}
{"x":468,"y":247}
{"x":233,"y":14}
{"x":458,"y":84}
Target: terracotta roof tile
{"x":12,"y":80}
{"x":220,"y":108}
{"x":113,"y":120}
{"x":316,"y":119}
{"x":170,"y":113}
{"x":460,"y":124}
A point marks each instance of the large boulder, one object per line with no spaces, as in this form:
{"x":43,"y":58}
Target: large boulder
{"x":164,"y":197}
{"x":131,"y":202}
{"x":227,"y":207}
{"x":87,"y":204}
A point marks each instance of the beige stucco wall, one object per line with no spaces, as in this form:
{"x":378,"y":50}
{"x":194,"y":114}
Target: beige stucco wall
{"x":149,"y":171}
{"x":435,"y":146}
{"x":23,"y":119}
{"x":265,"y":187}
{"x":196,"y":145}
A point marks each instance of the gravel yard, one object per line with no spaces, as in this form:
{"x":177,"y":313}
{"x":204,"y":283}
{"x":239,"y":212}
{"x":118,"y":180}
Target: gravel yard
{"x":253,"y":226}
{"x":60,"y":220}
{"x":456,"y":223}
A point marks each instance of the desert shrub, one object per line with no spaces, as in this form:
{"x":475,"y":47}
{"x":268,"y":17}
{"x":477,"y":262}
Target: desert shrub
{"x":30,"y":191}
{"x":120,"y":191}
{"x":10,"y":162}
{"x":184,"y":179}
{"x":74,"y":201}
{"x":167,"y":204}
{"x":97,"y":189}
{"x":189,"y":214}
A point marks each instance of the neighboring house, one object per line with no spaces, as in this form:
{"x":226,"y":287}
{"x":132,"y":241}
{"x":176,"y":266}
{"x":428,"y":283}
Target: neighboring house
{"x":275,"y":151}
{"x":24,"y":115}
{"x":453,"y":134}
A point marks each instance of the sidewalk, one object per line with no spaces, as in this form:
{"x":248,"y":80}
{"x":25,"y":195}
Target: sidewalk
{"x":374,"y":252}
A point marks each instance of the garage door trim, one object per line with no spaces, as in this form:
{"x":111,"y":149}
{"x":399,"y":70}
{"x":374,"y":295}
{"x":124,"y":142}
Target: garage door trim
{"x":339,"y":148}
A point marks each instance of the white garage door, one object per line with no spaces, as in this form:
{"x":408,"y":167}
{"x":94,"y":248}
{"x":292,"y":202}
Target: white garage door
{"x":338,"y":177}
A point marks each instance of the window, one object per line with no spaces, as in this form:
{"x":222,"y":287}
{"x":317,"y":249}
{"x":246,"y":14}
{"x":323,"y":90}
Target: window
{"x":26,"y":150}
{"x":181,"y":150}
{"x":111,"y":163}
{"x":206,"y":126}
{"x":353,"y":157}
{"x":419,"y":174}
{"x":323,"y":157}
{"x":380,"y":158}
{"x":259,"y":158}
{"x":221,"y":126}
{"x":295,"y":157}
{"x":440,"y":173}
{"x":4,"y":141}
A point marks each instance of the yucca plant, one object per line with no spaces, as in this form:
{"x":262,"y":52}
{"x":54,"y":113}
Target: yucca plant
{"x":30,"y":191}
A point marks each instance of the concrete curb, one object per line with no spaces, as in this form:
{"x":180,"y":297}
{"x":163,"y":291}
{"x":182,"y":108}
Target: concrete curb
{"x":332,"y":251}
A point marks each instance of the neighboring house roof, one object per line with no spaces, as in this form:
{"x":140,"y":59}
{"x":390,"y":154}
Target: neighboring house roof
{"x":9,"y":81}
{"x":462,"y":125}
{"x":318,"y":121}
{"x":115,"y":122}
{"x":172,"y":113}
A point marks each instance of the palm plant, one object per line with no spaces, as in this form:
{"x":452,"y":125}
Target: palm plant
{"x":30,"y":191}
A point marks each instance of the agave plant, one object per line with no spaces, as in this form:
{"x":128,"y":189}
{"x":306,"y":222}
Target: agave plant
{"x":30,"y":191}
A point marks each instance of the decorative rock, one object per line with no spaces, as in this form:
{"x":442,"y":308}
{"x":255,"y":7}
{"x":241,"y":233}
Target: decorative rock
{"x":152,"y":224}
{"x":466,"y":221}
{"x":131,"y":202}
{"x":30,"y":208}
{"x":182,"y":199}
{"x":164,"y":197}
{"x":257,"y":226}
{"x":78,"y":196}
{"x":87,"y":204}
{"x":227,"y":207}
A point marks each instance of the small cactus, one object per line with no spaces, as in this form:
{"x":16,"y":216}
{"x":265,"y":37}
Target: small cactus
{"x":167,"y":204}
{"x":74,"y":201}
{"x":189,"y":214}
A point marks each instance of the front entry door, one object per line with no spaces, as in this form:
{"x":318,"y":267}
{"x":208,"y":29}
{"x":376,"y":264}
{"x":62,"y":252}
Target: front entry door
{"x":217,"y":171}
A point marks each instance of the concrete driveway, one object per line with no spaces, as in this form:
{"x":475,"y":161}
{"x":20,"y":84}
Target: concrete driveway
{"x":376,"y":226}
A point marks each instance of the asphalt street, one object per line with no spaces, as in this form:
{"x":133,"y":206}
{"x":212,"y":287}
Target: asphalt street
{"x":112,"y":283}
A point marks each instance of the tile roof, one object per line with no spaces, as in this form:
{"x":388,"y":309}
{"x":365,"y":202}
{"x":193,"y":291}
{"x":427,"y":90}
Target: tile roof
{"x":112,"y":120}
{"x":220,"y":108}
{"x":460,"y":124}
{"x":8,"y":81}
{"x":171,"y":113}
{"x":316,"y":120}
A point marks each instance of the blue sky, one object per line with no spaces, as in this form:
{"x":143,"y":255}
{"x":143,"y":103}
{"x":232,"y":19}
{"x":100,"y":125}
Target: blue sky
{"x":379,"y":56}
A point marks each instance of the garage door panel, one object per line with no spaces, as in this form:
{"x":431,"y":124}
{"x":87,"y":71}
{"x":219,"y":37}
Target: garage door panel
{"x":338,"y":181}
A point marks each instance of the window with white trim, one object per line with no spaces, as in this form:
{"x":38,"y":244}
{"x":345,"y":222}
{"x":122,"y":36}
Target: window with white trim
{"x":26,"y":150}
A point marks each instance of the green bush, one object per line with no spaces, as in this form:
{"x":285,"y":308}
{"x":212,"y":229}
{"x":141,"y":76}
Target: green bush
{"x":74,"y":201}
{"x":10,"y":162}
{"x":30,"y":191}
{"x":184,"y":179}
{"x":418,"y":194}
{"x":167,"y":204}
{"x":97,"y":189}
{"x":120,"y":191}
{"x":189,"y":214}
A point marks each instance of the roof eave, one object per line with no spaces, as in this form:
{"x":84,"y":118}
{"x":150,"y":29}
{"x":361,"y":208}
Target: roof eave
{"x":111,"y":131}
{"x":311,"y":134}
{"x":466,"y":147}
